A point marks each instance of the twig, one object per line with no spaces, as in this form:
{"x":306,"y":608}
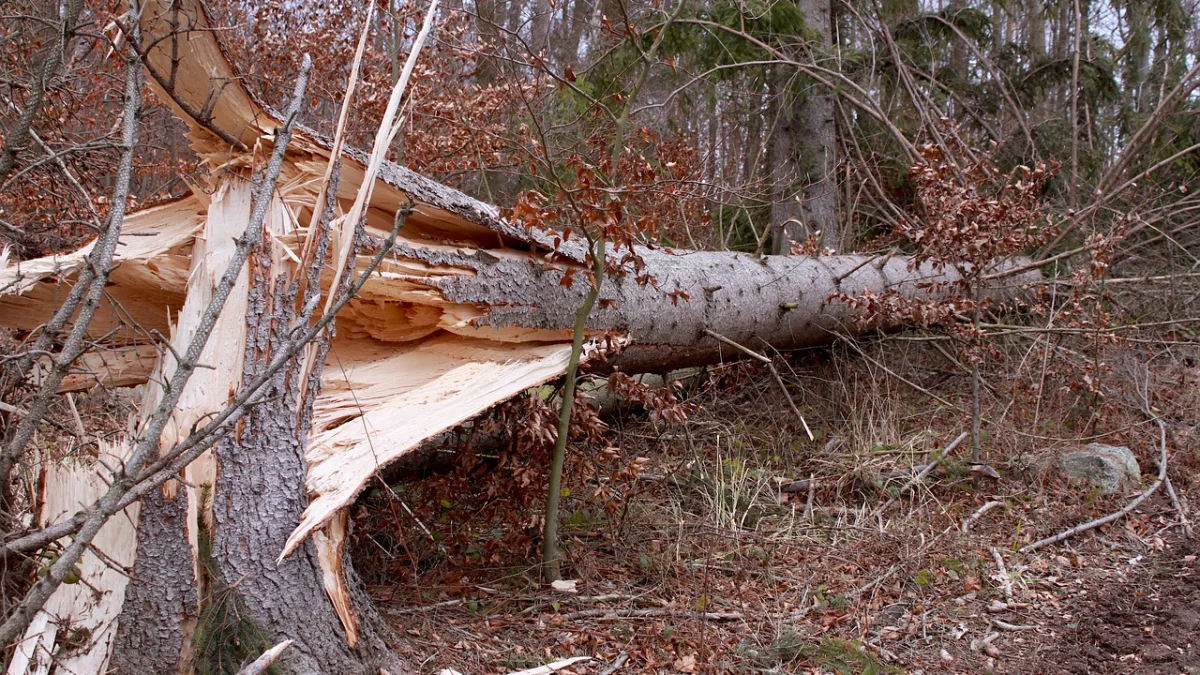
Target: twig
{"x":1005,"y":579}
{"x":553,"y":667}
{"x":651,"y":612}
{"x":924,"y":472}
{"x":1004,"y":625}
{"x":44,"y":72}
{"x":882,"y":259}
{"x":853,"y":345}
{"x":1179,"y":506}
{"x":262,"y":663}
{"x":424,"y":608}
{"x":87,"y":291}
{"x":21,"y":412}
{"x":1093,"y":524}
{"x":616,"y":664}
{"x":774,"y":374}
{"x":969,"y":522}
{"x":80,"y":430}
{"x":808,"y":503}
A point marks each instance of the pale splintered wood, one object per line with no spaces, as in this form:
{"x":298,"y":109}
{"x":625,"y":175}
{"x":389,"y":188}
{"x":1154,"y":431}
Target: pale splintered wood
{"x":152,"y":260}
{"x":330,"y":543}
{"x":392,"y":400}
{"x":212,"y":384}
{"x":204,"y":77}
{"x":116,"y":367}
{"x":89,"y":608}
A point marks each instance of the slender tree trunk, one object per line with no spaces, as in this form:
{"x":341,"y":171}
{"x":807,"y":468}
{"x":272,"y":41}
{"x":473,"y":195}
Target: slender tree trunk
{"x":487,"y":21}
{"x":1036,"y":31}
{"x":818,"y":144}
{"x":787,"y":218}
{"x":810,"y":149}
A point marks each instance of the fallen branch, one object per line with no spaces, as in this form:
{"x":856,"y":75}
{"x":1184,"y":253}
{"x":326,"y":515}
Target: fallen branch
{"x":423,"y":608}
{"x":651,"y":612}
{"x":1093,"y":524}
{"x":771,"y":367}
{"x":553,"y":667}
{"x":1179,"y":506}
{"x":969,"y":522}
{"x":923,"y":473}
{"x":616,"y":664}
{"x":1005,"y":579}
{"x":1004,"y":625}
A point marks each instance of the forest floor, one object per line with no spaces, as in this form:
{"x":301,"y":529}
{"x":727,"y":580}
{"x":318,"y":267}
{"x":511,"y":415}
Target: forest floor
{"x":688,"y":558}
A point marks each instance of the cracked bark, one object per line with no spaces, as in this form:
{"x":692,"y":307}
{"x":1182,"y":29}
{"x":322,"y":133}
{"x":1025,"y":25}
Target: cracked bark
{"x":160,"y":601}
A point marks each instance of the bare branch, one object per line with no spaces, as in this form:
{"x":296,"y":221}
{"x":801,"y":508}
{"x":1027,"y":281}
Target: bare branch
{"x":44,"y":73}
{"x":108,"y":505}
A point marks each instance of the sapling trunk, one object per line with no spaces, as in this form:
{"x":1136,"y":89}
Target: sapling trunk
{"x":550,"y":563}
{"x":976,"y":406}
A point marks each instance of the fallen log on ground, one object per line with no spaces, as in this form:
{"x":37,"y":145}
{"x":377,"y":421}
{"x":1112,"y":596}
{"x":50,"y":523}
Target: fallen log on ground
{"x":466,"y":310}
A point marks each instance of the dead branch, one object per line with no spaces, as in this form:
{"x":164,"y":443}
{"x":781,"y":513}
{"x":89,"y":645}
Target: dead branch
{"x":147,"y":446}
{"x":651,"y":612}
{"x":1005,"y":579}
{"x":923,"y":473}
{"x":969,"y":522}
{"x":1004,"y":625}
{"x":1117,"y":515}
{"x":43,"y":73}
{"x":93,"y":278}
{"x":553,"y":667}
{"x":1180,"y":507}
{"x":771,"y":367}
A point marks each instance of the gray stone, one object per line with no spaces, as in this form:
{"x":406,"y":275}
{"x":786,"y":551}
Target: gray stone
{"x":1108,"y":467}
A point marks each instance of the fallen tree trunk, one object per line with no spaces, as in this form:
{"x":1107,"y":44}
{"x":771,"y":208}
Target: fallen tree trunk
{"x":465,"y":311}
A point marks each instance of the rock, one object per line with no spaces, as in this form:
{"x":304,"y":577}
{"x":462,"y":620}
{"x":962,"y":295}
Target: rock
{"x":1108,"y":467}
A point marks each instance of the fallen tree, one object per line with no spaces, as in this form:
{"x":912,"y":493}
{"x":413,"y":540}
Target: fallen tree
{"x":443,"y":309}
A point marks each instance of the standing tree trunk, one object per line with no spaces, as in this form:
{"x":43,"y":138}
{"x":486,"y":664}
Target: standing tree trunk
{"x":806,"y":146}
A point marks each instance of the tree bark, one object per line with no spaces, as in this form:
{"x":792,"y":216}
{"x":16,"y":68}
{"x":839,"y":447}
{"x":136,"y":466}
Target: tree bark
{"x":807,"y":143}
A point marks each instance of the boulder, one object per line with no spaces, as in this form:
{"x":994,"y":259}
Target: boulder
{"x":1108,"y":467}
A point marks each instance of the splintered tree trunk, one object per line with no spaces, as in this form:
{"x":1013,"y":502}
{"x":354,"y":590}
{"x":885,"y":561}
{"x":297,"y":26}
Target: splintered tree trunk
{"x":257,"y":500}
{"x":209,"y":591}
{"x":466,"y":310}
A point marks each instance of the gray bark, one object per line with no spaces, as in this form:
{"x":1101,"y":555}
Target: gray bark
{"x":805,"y":145}
{"x":784,"y":301}
{"x":817,"y":143}
{"x":257,"y":500}
{"x":160,"y":600}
